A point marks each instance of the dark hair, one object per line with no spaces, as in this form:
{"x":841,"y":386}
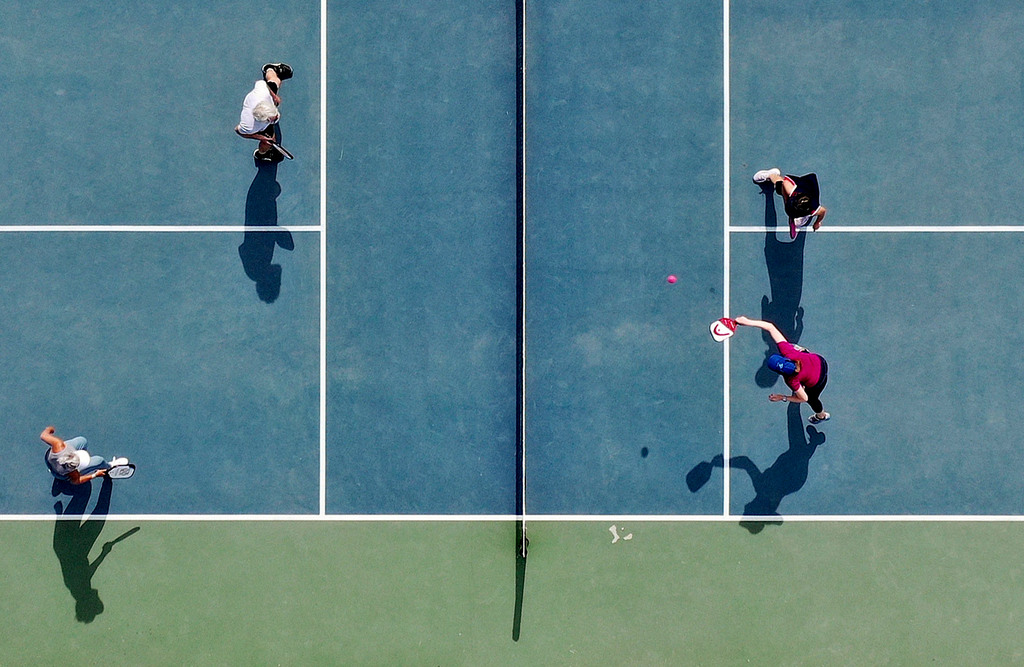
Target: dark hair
{"x":801,"y":204}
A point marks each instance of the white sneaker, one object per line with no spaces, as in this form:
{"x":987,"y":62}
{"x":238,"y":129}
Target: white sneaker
{"x":762,"y":176}
{"x":815,"y":419}
{"x":118,"y":461}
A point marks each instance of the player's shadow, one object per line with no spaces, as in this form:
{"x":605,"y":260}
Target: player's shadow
{"x":257,"y":249}
{"x":785,"y":262}
{"x":73,"y":539}
{"x":784,"y":477}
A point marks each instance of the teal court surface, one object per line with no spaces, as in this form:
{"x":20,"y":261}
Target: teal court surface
{"x":349,"y":379}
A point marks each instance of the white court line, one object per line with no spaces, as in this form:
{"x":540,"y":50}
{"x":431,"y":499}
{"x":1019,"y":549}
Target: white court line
{"x":163,"y":229}
{"x":894,"y":229}
{"x":356,"y":518}
{"x":726,"y":254}
{"x":552,"y":518}
{"x":805,"y":518}
{"x":323,"y":257}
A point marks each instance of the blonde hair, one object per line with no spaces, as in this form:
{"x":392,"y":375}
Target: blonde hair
{"x":264,"y":111}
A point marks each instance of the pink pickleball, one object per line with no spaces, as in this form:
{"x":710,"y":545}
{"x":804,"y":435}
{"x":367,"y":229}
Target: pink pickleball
{"x":671,"y":280}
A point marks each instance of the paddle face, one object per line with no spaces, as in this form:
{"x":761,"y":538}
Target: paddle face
{"x":722,"y":328}
{"x":121,"y":472}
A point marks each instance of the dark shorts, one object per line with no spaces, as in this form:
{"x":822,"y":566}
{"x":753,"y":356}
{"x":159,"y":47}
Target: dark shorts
{"x":814,"y":391}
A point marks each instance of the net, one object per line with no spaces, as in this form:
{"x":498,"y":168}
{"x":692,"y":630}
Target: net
{"x":521,"y":277}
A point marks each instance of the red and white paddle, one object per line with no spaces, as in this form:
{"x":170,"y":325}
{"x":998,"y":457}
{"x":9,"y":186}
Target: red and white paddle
{"x":723,"y":328}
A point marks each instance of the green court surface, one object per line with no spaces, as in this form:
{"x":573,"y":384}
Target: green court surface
{"x":379,"y":593}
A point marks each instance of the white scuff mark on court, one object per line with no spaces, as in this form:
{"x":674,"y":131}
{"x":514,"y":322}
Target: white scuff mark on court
{"x":615,"y":535}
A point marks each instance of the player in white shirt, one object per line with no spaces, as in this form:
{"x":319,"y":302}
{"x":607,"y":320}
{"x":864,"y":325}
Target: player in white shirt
{"x":260,"y":111}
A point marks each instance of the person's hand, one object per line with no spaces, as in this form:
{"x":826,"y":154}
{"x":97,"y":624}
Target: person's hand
{"x":101,"y":473}
{"x":775,"y":398}
{"x":815,"y":437}
{"x":742,"y":319}
{"x":49,"y":430}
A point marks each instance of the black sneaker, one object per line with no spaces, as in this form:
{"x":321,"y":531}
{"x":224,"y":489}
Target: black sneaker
{"x":284,"y":70}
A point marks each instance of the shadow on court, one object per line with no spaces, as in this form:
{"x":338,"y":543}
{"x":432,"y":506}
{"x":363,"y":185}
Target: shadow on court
{"x":257,"y":249}
{"x":517,"y":614}
{"x":73,"y":540}
{"x":785,"y":476}
{"x":785,"y":262}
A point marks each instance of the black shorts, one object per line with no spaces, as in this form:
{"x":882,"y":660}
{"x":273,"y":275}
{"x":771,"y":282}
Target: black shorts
{"x":814,"y":391}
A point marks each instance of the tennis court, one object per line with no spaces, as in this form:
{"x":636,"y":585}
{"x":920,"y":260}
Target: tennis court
{"x":326,"y":369}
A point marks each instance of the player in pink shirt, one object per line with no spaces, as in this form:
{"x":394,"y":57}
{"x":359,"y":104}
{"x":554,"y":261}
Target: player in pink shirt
{"x":805,"y":373}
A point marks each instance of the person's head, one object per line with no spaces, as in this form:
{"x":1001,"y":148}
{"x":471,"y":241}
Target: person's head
{"x":68,"y":461}
{"x":265,"y":112}
{"x":88,"y":606}
{"x":802,"y":204}
{"x":781,"y":365}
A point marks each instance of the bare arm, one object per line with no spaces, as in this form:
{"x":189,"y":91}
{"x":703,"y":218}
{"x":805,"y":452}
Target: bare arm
{"x":55,"y":443}
{"x":821,"y":216}
{"x":772,"y":330}
{"x":798,"y":396}
{"x":77,"y":478}
{"x":255,"y":135}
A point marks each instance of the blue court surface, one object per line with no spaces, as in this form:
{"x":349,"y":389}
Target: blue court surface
{"x":337,"y":335}
{"x":421,"y":258}
{"x":624,"y":162}
{"x":136,"y":106}
{"x":910,"y":115}
{"x":155,"y":346}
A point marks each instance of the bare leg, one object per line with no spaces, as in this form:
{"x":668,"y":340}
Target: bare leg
{"x":274,"y":83}
{"x":270,"y":76}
